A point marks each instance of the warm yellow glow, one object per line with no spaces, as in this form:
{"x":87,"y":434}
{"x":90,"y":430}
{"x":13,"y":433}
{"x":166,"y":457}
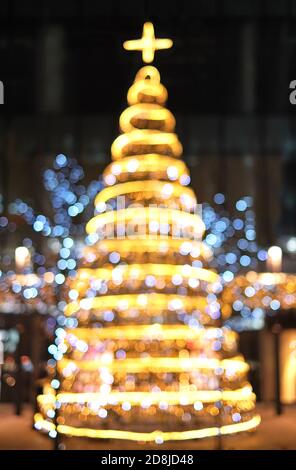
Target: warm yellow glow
{"x":179,"y":220}
{"x":146,"y":97}
{"x":144,"y":111}
{"x":28,"y":280}
{"x":124,"y":144}
{"x":48,"y":277}
{"x":154,"y":164}
{"x":159,"y":364}
{"x":138,"y":398}
{"x":288,"y":366}
{"x":274,"y":290}
{"x":151,"y":332}
{"x":43,"y":423}
{"x":154,"y":435}
{"x":151,"y":245}
{"x":154,"y":302}
{"x":159,"y":188}
{"x":147,"y":88}
{"x":272,"y":279}
{"x":140,"y":271}
{"x":148,"y":44}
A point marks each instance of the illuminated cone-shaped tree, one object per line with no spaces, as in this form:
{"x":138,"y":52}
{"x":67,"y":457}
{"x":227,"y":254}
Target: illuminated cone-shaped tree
{"x":144,"y":355}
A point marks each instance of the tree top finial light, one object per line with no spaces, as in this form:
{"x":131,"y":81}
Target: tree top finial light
{"x":148,"y":44}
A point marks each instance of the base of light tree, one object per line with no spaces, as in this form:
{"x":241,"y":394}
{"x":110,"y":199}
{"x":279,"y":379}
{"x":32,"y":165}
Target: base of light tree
{"x":275,"y":432}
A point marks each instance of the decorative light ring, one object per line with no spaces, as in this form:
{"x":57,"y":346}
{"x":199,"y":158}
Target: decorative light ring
{"x":151,"y":332}
{"x":153,"y":436}
{"x":235,"y":367}
{"x":161,"y":118}
{"x":153,"y":165}
{"x":149,"y":245}
{"x":136,"y":141}
{"x":137,"y":398}
{"x":154,"y":301}
{"x":180,"y":220}
{"x":140,"y":271}
{"x":147,"y":88}
{"x":160,"y":188}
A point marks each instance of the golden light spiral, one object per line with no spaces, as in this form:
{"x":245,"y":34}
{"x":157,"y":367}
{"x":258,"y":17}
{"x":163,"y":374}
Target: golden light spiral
{"x":148,"y":126}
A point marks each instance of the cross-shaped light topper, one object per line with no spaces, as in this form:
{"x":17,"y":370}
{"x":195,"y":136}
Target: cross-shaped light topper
{"x":148,"y":44}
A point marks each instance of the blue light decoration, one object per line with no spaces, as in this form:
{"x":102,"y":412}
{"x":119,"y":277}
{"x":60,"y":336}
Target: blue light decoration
{"x":69,"y":198}
{"x":64,"y":228}
{"x":232,"y":239}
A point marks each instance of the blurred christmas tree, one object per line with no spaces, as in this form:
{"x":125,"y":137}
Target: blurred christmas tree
{"x":148,"y":358}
